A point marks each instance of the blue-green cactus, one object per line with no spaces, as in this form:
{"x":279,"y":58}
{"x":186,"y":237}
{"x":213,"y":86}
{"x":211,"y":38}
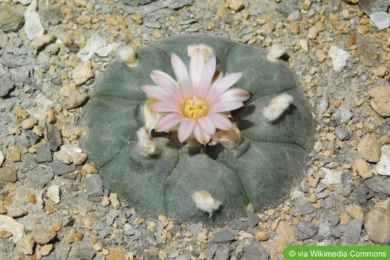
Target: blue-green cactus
{"x":178,"y":179}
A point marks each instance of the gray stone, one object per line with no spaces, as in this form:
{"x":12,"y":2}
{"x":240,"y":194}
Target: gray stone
{"x":223,"y":252}
{"x":148,"y":238}
{"x":253,"y":219}
{"x":378,"y":184}
{"x":336,"y":232}
{"x":360,"y":194}
{"x":328,"y":203}
{"x":111,"y":216}
{"x":94,"y":186}
{"x":342,"y":115}
{"x":351,"y":231}
{"x":306,"y":208}
{"x":223,"y":236}
{"x":195,"y":228}
{"x":28,"y":163}
{"x":343,"y":133}
{"x":346,"y":184}
{"x":103,"y":233}
{"x":372,"y":6}
{"x":82,"y":251}
{"x":137,"y":3}
{"x":44,"y":154}
{"x":239,"y":224}
{"x":255,"y":251}
{"x":54,"y":137}
{"x":173,"y":4}
{"x":320,"y":187}
{"x":324,"y":231}
{"x":41,"y":176}
{"x":5,"y":86}
{"x":305,"y":230}
{"x":10,"y":20}
{"x":60,"y":168}
{"x":334,"y":219}
{"x":128,"y":230}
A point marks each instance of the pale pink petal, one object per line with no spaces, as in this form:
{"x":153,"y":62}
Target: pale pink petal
{"x":166,"y":123}
{"x":225,"y":106}
{"x":222,"y":85}
{"x":235,"y":94}
{"x":166,"y":107}
{"x":207,"y":77}
{"x":181,"y":73}
{"x":165,"y":81}
{"x":157,"y":92}
{"x":196,"y":68}
{"x":201,"y":135}
{"x":186,"y":128}
{"x":221,"y":121}
{"x":207,"y":125}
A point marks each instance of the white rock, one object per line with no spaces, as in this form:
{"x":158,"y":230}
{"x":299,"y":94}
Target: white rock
{"x":331,"y":177}
{"x":32,"y":25}
{"x":380,"y":20}
{"x":53,"y":193}
{"x":1,"y":158}
{"x":10,"y":225}
{"x":339,"y":57}
{"x":23,"y":2}
{"x":383,"y":166}
{"x":39,"y":111}
{"x":96,"y":45}
{"x":71,"y":150}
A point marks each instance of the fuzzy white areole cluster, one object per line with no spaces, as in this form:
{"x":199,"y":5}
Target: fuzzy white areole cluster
{"x":127,"y":55}
{"x":277,"y":51}
{"x":277,"y":107}
{"x":205,"y":202}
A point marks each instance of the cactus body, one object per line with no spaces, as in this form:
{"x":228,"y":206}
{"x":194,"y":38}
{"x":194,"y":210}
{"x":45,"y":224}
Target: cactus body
{"x":260,"y":171}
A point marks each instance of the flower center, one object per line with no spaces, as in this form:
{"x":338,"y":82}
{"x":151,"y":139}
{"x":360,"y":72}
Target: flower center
{"x":195,"y":108}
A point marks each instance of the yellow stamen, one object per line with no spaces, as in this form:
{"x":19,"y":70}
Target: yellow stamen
{"x":195,"y":108}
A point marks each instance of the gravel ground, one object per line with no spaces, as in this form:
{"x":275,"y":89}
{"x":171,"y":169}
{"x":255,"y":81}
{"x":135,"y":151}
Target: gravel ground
{"x":52,"y":202}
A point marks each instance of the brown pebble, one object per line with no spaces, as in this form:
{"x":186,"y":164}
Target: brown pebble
{"x":5,"y":234}
{"x":52,"y":116}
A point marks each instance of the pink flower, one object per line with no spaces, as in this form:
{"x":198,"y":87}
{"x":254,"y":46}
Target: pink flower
{"x":195,"y":105}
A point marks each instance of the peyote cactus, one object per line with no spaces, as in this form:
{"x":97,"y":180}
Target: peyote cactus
{"x":198,"y":145}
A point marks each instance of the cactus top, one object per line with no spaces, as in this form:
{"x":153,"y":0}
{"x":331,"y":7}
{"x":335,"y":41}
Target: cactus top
{"x":199,"y":102}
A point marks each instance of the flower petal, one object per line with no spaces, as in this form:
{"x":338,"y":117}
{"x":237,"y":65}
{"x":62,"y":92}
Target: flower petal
{"x":196,"y":68}
{"x":207,"y":125}
{"x":166,"y":107}
{"x":207,"y":76}
{"x":166,"y":123}
{"x":221,"y":121}
{"x":157,"y":92}
{"x":201,"y":135}
{"x":225,"y":106}
{"x":186,"y":128}
{"x":222,"y":85}
{"x":181,"y":73}
{"x":235,"y":94}
{"x":165,"y":81}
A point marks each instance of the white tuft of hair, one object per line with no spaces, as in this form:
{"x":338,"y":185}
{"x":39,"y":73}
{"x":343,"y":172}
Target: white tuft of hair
{"x":205,"y":202}
{"x":277,"y":107}
{"x":148,"y":148}
{"x":205,"y":49}
{"x":277,"y":51}
{"x":127,"y":55}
